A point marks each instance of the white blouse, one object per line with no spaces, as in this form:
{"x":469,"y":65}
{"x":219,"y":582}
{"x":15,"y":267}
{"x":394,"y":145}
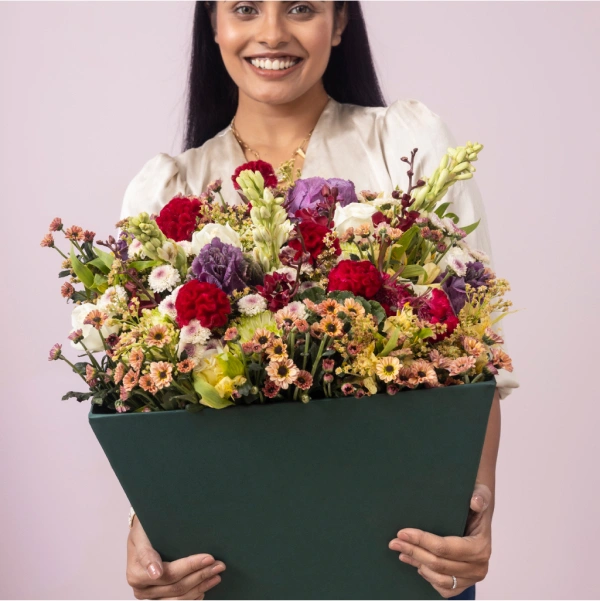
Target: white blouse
{"x":361,"y":144}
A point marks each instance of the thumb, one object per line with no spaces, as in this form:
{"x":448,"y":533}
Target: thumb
{"x":147,"y":556}
{"x":481,"y":498}
{"x":150,"y":560}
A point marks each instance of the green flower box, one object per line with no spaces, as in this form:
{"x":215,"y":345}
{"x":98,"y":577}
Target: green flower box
{"x":300,"y":501}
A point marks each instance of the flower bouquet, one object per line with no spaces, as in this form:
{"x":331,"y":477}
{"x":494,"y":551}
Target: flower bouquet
{"x":350,"y":336}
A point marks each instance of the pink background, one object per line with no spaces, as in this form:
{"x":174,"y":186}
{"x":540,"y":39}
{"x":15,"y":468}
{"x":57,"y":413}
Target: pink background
{"x":89,"y":92}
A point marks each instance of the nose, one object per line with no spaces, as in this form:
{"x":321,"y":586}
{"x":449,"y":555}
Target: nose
{"x":272,"y":29}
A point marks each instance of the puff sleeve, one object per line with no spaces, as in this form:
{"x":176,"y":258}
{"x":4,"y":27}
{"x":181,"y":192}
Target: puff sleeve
{"x":159,"y":180}
{"x":427,"y":131}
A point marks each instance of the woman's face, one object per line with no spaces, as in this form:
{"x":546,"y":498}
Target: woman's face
{"x":291,"y":30}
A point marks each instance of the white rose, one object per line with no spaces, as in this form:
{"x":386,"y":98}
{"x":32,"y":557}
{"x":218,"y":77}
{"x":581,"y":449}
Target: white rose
{"x":91,"y":337}
{"x":225,"y":233}
{"x":353,"y":215}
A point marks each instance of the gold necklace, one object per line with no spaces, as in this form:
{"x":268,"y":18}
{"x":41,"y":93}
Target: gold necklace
{"x":285,"y":170}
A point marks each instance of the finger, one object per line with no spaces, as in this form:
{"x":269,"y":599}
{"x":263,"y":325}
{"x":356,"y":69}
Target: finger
{"x":456,"y":548}
{"x":190,"y":586}
{"x":145,"y":555}
{"x":417,"y":557}
{"x":481,"y":498}
{"x":443,"y":583}
{"x":174,"y":571}
{"x":190,"y":594}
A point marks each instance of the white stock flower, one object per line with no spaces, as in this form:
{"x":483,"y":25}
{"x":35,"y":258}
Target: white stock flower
{"x":91,"y":337}
{"x":253,"y":304}
{"x":163,"y":277}
{"x":353,"y":215}
{"x":225,"y":233}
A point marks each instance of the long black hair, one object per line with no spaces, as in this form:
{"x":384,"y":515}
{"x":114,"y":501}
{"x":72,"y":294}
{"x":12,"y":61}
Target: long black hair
{"x":212,"y":95}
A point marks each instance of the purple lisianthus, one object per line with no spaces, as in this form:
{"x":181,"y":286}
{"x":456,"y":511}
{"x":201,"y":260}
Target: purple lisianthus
{"x":306,"y":193}
{"x":455,"y":287}
{"x":222,"y":265}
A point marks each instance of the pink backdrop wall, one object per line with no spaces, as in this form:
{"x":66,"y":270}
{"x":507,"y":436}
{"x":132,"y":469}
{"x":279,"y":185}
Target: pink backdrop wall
{"x":89,"y":92}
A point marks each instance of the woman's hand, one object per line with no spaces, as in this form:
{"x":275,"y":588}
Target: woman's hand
{"x":439,"y":558}
{"x":150,"y":578}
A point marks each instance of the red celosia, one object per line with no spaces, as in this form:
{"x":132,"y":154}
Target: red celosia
{"x":437,"y":309}
{"x":202,"y":301}
{"x":393,"y":295}
{"x":266,"y":170}
{"x":178,"y":218}
{"x":313,"y":235}
{"x":361,"y":278}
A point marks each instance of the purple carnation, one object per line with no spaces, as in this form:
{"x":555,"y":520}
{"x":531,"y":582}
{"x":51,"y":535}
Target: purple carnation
{"x":306,"y":193}
{"x":455,"y":286}
{"x":222,"y":265}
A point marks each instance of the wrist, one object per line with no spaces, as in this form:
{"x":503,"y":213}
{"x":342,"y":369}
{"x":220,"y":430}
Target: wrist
{"x":131,"y":517}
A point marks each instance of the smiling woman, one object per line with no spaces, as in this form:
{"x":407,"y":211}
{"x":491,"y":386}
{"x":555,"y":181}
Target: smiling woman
{"x":293,"y":84}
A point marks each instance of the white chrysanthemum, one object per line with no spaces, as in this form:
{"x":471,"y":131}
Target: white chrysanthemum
{"x":163,"y":277}
{"x":436,"y":221}
{"x":456,"y":258}
{"x":167,"y":306}
{"x":194,"y":333}
{"x":253,"y":304}
{"x":478,"y":255}
{"x":136,"y":250}
{"x":298,"y":309}
{"x":187,"y":247}
{"x":457,"y":266}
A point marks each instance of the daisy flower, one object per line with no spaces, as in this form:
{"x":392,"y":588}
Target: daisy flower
{"x":387,"y":368}
{"x":56,"y":224}
{"x":283,"y":372}
{"x":348,"y":389}
{"x":461,"y":365}
{"x":500,"y":359}
{"x":270,"y":389}
{"x":329,"y":307}
{"x":277,"y":350}
{"x":285,"y":318}
{"x":353,"y":308}
{"x":136,"y":358}
{"x":147,"y":383}
{"x":424,"y":372}
{"x":332,"y":326}
{"x":47,"y":241}
{"x":119,"y":373}
{"x":74,"y":233}
{"x":406,"y":377}
{"x":263,"y":337}
{"x":252,"y":304}
{"x":130,"y":380}
{"x":158,"y":336}
{"x":163,"y":277}
{"x":66,"y":290}
{"x":161,"y":373}
{"x":473,"y":346}
{"x":186,"y":366}
{"x":95,"y":318}
{"x":303,"y":380}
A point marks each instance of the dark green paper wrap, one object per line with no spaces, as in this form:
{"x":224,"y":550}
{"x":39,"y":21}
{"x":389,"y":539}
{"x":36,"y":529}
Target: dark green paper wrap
{"x":300,"y":501}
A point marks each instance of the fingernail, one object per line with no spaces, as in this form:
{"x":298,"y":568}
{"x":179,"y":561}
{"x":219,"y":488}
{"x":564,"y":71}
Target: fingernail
{"x":404,"y":536}
{"x":217,"y":568}
{"x":153,"y":570}
{"x":207,"y":561}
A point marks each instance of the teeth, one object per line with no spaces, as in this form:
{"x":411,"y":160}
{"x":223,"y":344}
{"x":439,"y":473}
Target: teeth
{"x":275,"y":65}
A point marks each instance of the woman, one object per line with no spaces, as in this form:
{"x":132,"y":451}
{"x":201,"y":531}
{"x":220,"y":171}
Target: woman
{"x":315,"y":107}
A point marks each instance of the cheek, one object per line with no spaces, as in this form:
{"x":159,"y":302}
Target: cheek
{"x":317,"y":43}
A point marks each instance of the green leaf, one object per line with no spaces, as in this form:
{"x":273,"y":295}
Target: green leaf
{"x":453,"y":216}
{"x":469,"y":228}
{"x":141,"y":265}
{"x":80,"y":396}
{"x":194,"y":408}
{"x":440,"y":210}
{"x":378,"y":311}
{"x":99,"y":264}
{"x":209,"y":394}
{"x":106,"y":258}
{"x":411,"y":271}
{"x":425,"y":333}
{"x":81,"y":271}
{"x":64,"y":273}
{"x":391,"y":343}
{"x":100,"y":283}
{"x":316,"y":294}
